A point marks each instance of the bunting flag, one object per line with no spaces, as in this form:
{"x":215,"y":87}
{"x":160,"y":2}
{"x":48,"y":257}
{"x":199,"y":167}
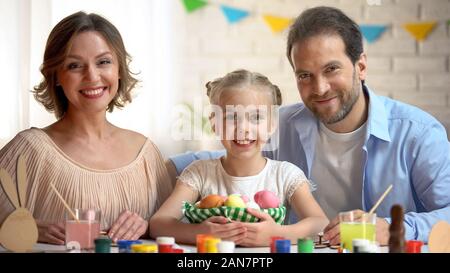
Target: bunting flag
{"x":192,"y":5}
{"x":419,"y":30}
{"x":372,"y":32}
{"x":233,"y":15}
{"x":277,"y":24}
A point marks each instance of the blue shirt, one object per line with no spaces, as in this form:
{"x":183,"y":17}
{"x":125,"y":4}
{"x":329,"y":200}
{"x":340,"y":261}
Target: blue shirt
{"x":404,"y":146}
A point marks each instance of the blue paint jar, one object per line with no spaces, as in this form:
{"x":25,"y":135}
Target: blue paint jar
{"x":283,"y":246}
{"x":125,"y":245}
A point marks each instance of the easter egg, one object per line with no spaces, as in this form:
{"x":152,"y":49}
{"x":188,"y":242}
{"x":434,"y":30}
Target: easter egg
{"x":211,"y":201}
{"x":266,"y":199}
{"x":243,"y":197}
{"x":235,"y":201}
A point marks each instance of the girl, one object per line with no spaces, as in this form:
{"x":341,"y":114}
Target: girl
{"x":247,"y":101}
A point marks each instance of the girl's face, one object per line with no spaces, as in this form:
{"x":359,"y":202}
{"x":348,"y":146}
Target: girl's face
{"x":89,"y":75}
{"x":246,"y":121}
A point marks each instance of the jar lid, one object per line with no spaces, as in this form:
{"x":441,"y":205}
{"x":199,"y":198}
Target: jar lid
{"x":136,"y":248}
{"x":225,"y":247}
{"x":360,"y":242}
{"x":165,"y":240}
{"x":103,"y":240}
{"x":127,"y":243}
{"x":149,"y":248}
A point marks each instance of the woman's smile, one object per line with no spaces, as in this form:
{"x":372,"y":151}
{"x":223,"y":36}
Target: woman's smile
{"x":93,"y":93}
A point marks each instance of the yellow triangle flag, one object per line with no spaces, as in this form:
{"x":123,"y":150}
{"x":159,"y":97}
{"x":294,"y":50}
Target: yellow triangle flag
{"x":277,"y":24}
{"x":419,"y":30}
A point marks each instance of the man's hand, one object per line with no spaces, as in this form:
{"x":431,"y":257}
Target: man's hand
{"x":331,"y":232}
{"x":129,"y":226}
{"x":382,"y":231}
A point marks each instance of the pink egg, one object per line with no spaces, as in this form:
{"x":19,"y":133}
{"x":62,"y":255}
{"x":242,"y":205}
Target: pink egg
{"x":266,"y":199}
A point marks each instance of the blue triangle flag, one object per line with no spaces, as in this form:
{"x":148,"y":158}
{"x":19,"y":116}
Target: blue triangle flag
{"x":372,"y":32}
{"x":233,"y":15}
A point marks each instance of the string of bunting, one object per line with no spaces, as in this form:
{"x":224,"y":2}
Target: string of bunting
{"x":371,"y":32}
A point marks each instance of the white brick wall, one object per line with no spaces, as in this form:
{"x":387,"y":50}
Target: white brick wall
{"x":420,"y":64}
{"x":399,"y":67}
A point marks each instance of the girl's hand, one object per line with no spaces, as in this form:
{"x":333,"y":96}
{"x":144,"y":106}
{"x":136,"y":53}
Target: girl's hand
{"x":52,"y":233}
{"x":220,"y":226}
{"x":129,"y":226}
{"x":258,"y":234}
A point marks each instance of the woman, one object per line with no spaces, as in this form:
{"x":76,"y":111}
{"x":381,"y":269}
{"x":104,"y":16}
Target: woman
{"x":91,"y":162}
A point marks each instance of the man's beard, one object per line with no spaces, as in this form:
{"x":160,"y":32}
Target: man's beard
{"x":346,"y":106}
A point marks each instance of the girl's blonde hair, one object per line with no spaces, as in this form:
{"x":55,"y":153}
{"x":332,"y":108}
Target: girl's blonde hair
{"x":239,"y":78}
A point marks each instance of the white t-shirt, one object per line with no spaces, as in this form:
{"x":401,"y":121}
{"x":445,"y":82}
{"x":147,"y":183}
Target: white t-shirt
{"x":209,"y":177}
{"x":337,"y":170}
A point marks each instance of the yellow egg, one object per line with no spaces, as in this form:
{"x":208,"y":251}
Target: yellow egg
{"x":235,"y":201}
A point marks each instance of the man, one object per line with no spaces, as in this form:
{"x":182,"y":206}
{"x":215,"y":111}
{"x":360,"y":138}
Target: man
{"x":352,"y":143}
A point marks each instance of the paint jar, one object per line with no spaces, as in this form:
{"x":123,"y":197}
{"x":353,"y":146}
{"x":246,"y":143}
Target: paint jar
{"x":283,"y":246}
{"x":413,"y":246}
{"x":148,"y":248}
{"x":225,"y":247}
{"x":211,"y":244}
{"x":125,"y":245}
{"x":305,"y":245}
{"x":273,"y":248}
{"x":200,"y":239}
{"x":102,"y":244}
{"x":165,"y":244}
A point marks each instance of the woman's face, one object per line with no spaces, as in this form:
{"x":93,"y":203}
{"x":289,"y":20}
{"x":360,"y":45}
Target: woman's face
{"x":89,"y":74}
{"x":246,"y":121}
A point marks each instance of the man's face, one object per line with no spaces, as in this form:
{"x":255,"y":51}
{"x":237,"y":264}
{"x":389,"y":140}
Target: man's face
{"x":328,"y":82}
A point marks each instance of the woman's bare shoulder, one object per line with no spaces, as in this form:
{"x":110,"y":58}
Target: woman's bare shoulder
{"x":134,"y":136}
{"x":131,"y":139}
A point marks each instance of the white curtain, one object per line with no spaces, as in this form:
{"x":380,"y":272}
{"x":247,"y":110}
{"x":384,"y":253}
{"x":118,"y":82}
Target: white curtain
{"x":147,"y":29}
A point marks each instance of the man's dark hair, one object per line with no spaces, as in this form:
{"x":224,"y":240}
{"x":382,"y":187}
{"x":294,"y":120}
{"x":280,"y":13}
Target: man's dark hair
{"x":326,"y":20}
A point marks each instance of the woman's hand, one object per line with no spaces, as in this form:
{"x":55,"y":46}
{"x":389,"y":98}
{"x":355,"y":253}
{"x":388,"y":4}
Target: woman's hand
{"x":52,"y":233}
{"x":258,"y":234}
{"x":129,"y":226}
{"x":221,"y":227}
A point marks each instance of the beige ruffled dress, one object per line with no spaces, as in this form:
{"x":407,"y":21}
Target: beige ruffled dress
{"x":141,"y":186}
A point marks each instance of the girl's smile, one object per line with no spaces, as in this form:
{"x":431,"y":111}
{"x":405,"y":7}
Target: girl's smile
{"x":244,"y":143}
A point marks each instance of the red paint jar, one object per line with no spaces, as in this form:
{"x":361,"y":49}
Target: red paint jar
{"x":414,"y":246}
{"x":273,"y":248}
{"x":165,"y":244}
{"x":177,"y":250}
